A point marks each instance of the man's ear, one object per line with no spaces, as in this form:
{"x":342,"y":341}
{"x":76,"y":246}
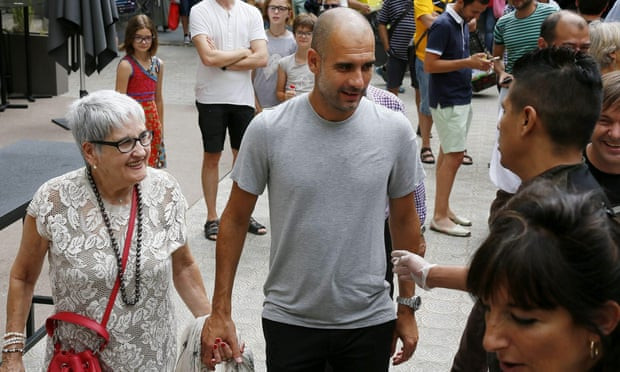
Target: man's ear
{"x":314,"y":61}
{"x":530,"y":122}
{"x":542,"y":44}
{"x":608,"y":317}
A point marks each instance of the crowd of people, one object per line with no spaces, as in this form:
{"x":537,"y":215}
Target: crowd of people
{"x":343,"y":171}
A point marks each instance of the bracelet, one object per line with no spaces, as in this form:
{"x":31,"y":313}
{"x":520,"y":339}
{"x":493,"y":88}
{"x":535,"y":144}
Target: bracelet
{"x":15,"y":350}
{"x":13,"y":341}
{"x":11,"y":334}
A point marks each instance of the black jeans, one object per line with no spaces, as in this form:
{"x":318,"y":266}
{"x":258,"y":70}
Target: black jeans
{"x":300,"y":349}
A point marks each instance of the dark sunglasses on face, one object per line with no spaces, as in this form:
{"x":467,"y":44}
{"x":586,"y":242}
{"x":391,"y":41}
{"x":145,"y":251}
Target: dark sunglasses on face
{"x":330,"y":6}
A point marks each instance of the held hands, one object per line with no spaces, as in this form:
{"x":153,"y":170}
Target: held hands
{"x":480,"y":61}
{"x":410,"y":266}
{"x":219,"y":341}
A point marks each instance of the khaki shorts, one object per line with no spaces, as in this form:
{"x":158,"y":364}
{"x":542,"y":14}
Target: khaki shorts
{"x":452,"y":125}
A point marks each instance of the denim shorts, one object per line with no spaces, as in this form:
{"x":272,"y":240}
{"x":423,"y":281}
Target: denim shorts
{"x":422,"y":86}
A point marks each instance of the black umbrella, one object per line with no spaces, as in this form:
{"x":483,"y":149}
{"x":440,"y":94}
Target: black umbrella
{"x":93,"y":20}
{"x":82,"y":36}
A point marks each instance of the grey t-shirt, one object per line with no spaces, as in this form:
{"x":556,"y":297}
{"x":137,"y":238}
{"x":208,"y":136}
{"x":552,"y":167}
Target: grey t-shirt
{"x":328,"y":185}
{"x":265,"y":78}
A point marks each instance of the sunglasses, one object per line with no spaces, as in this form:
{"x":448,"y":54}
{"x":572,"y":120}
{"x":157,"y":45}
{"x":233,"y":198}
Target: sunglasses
{"x":331,"y":6}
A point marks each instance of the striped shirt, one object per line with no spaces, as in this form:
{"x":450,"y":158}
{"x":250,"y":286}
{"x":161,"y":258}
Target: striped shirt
{"x":402,"y":34}
{"x":520,"y":35}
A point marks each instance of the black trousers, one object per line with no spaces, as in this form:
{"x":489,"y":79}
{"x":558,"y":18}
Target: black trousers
{"x":300,"y":349}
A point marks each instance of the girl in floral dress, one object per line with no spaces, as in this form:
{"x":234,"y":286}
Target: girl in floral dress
{"x":140,"y":74}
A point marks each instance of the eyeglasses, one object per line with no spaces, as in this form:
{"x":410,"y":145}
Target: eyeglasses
{"x":275,"y":8}
{"x":128,"y":144}
{"x":144,"y":39}
{"x":330,"y":6}
{"x":304,"y":34}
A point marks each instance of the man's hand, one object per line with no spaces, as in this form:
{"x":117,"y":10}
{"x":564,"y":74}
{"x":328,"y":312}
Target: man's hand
{"x":407,"y":331}
{"x":219,"y":341}
{"x":505,"y":79}
{"x":481,"y":62}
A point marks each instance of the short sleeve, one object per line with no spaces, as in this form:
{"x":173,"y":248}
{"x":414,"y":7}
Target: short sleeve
{"x":198,"y":24}
{"x":437,"y":38}
{"x":498,"y":31}
{"x":422,"y":7}
{"x":251,"y":169}
{"x":256,"y":26}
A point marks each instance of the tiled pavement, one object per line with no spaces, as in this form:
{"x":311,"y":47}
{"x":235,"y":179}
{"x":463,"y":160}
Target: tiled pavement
{"x":443,"y":312}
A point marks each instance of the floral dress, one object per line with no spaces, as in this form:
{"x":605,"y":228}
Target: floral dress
{"x":141,"y":87}
{"x":83,"y":268}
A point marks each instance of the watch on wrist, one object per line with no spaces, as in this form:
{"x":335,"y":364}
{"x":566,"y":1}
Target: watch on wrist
{"x":413,"y":302}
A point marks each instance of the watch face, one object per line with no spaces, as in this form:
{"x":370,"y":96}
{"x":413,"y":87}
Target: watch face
{"x":417,"y":302}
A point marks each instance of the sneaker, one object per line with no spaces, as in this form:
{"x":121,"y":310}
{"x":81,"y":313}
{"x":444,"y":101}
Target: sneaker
{"x":186,"y":40}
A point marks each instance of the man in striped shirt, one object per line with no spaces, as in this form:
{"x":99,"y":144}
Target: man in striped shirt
{"x":399,"y":15}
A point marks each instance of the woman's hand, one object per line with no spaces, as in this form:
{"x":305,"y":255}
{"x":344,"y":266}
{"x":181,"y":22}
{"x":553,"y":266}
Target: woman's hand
{"x":410,"y":266}
{"x":12,"y":362}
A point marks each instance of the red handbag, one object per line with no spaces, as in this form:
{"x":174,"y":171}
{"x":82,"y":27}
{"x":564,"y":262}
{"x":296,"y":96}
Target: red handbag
{"x":173,"y":15}
{"x":87,"y":360}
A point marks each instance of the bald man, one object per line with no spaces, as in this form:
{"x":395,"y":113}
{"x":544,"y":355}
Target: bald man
{"x":329,"y":170}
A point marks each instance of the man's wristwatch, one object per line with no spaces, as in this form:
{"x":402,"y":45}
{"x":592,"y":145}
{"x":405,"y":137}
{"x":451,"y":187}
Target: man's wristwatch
{"x":413,"y":302}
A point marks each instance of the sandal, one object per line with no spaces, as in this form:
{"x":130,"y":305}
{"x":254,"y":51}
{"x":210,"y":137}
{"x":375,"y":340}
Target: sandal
{"x":426,"y":155}
{"x":211,"y":229}
{"x":467,"y":160}
{"x":256,"y":228}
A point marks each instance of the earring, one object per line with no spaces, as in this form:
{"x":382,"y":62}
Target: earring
{"x":594,"y":350}
{"x":94,"y":167}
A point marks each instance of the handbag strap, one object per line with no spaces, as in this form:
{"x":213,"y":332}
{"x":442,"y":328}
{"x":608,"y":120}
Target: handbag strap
{"x":100,"y":328}
{"x":402,"y":15}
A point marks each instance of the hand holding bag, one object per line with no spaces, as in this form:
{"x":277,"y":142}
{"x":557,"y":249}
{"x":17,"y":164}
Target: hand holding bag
{"x":87,"y":360}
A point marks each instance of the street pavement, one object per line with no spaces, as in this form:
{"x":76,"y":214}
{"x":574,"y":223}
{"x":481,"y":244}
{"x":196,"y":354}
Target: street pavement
{"x":443,"y":314}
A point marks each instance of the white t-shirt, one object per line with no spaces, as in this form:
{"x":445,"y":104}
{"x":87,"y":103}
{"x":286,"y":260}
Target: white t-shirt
{"x":229,"y":29}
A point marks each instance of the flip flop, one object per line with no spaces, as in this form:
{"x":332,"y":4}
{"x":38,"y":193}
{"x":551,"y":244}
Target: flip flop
{"x":256,"y":228}
{"x":426,"y":155}
{"x":467,"y":160}
{"x":211,"y":229}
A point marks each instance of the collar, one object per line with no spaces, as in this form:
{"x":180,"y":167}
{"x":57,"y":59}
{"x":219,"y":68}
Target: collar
{"x":454,"y":14}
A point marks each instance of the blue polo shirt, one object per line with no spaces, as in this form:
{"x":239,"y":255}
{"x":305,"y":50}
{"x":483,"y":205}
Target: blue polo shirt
{"x":448,"y":37}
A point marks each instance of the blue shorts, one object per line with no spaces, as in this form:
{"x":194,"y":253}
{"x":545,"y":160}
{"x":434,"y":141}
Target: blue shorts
{"x":422,"y":86}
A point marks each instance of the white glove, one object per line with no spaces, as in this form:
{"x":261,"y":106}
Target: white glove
{"x":410,"y":266}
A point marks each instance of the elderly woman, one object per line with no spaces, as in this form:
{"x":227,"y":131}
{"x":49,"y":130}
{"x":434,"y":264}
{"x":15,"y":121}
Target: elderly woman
{"x":605,"y":45}
{"x":549,"y":277}
{"x":80,"y":221}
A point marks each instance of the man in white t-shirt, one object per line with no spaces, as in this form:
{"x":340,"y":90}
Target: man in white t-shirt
{"x":231,"y":42}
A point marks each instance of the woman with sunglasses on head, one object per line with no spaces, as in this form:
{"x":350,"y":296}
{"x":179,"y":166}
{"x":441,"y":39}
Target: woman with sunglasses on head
{"x":140,"y":75}
{"x":81,"y":222}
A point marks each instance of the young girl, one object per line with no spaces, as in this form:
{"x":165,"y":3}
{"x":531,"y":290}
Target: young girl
{"x":140,"y":74}
{"x":280,"y":43}
{"x":294,"y":76}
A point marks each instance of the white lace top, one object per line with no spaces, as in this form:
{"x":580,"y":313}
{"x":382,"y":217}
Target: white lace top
{"x":83,"y":267}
